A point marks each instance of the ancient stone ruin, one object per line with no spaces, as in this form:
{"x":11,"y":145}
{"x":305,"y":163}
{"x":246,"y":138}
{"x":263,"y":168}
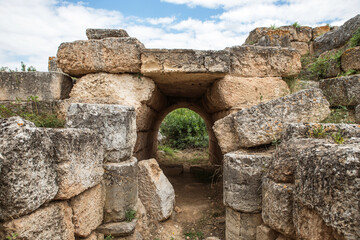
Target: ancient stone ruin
{"x":286,"y":175}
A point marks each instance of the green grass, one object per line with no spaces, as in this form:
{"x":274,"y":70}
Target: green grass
{"x":339,"y":115}
{"x":130,"y":215}
{"x":318,"y":132}
{"x":273,"y":27}
{"x":355,"y":39}
{"x":194,"y":235}
{"x":338,"y":137}
{"x":296,"y":25}
{"x":321,"y":66}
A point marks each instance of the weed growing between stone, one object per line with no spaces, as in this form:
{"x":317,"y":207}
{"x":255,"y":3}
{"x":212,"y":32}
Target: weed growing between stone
{"x":355,"y":39}
{"x":130,"y":215}
{"x":12,"y":236}
{"x":108,"y":237}
{"x":340,"y":114}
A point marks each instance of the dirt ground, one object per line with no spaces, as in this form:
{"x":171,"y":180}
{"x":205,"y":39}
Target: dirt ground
{"x":199,"y":211}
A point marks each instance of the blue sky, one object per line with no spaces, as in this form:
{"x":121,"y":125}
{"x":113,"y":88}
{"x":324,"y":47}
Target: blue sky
{"x":31,"y":31}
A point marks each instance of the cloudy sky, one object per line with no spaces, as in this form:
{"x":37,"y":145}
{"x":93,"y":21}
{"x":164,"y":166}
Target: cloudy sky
{"x":32,"y":30}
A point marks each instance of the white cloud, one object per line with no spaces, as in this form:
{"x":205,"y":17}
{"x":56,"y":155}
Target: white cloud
{"x":157,"y":21}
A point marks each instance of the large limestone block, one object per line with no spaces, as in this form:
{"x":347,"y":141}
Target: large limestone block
{"x":301,"y":47}
{"x":342,"y":91}
{"x":44,"y":85}
{"x":88,"y":210}
{"x":263,"y":123}
{"x":226,"y":135}
{"x":119,"y":229}
{"x":350,"y":59}
{"x":275,"y":37}
{"x":327,"y":180}
{"x":123,"y":89}
{"x":241,"y":226}
{"x":338,"y":37}
{"x":112,"y":55}
{"x":95,"y":33}
{"x":298,"y":34}
{"x":242,"y":181}
{"x":255,"y":35}
{"x":155,"y":190}
{"x":277,"y":206}
{"x":121,"y":183}
{"x":79,"y":158}
{"x":243,"y":92}
{"x":257,"y":61}
{"x":28,"y":175}
{"x":115,"y":124}
{"x":145,"y":117}
{"x":50,"y":222}
{"x":319,"y":31}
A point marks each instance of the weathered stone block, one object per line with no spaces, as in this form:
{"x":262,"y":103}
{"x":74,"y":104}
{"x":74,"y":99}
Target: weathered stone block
{"x":52,"y":66}
{"x":241,"y":226}
{"x":277,"y":206}
{"x":319,"y":31}
{"x":357,"y":114}
{"x":275,"y":37}
{"x":242,"y":181}
{"x":338,"y":37}
{"x":79,"y":157}
{"x":342,"y":91}
{"x":242,"y":92}
{"x":119,"y":229}
{"x":88,"y":210}
{"x":257,"y":61}
{"x":121,"y":183}
{"x":327,"y":180}
{"x":50,"y":222}
{"x":298,"y":34}
{"x":94,"y":236}
{"x":28,"y":176}
{"x":145,"y":117}
{"x":226,"y":135}
{"x":263,"y":232}
{"x":44,"y":85}
{"x":93,"y":33}
{"x":155,"y":190}
{"x":255,"y":35}
{"x":114,"y":123}
{"x":350,"y":59}
{"x":264,"y":123}
{"x":112,"y":55}
{"x":301,"y":47}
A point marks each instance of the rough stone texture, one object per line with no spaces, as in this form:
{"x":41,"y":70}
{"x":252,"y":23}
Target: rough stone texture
{"x":93,"y":33}
{"x":2,"y":160}
{"x":114,"y":123}
{"x":52,"y":66}
{"x":255,"y":35}
{"x":241,"y":226}
{"x":119,"y":229}
{"x":93,"y":236}
{"x":79,"y":157}
{"x":44,"y":85}
{"x":263,"y":232}
{"x":301,"y":47}
{"x":350,"y":59}
{"x":327,"y":180}
{"x":242,"y":181}
{"x":309,"y":225}
{"x":145,"y":117}
{"x":112,"y":55}
{"x":319,"y":31}
{"x":242,"y":92}
{"x":277,"y":206}
{"x":298,"y":34}
{"x":121,"y":185}
{"x":357,"y":114}
{"x":50,"y":222}
{"x":28,"y":176}
{"x":264,"y":123}
{"x":257,"y":61}
{"x":224,"y":131}
{"x":344,"y":91}
{"x":184,"y":72}
{"x":88,"y":210}
{"x":155,"y":190}
{"x":338,"y":37}
{"x":276,"y":37}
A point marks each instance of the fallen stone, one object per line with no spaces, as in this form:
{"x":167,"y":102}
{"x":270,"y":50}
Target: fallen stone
{"x":309,"y":225}
{"x":242,"y":181}
{"x":121,"y":183}
{"x":119,"y":229}
{"x":263,"y":232}
{"x":88,"y":210}
{"x":275,"y":38}
{"x":242,"y":92}
{"x":114,"y":123}
{"x":263,"y":123}
{"x":155,"y":190}
{"x":277,"y":206}
{"x":301,"y":47}
{"x":112,"y":55}
{"x":28,"y":175}
{"x":257,"y":61}
{"x":241,"y":226}
{"x":350,"y":59}
{"x":44,"y":85}
{"x":342,"y":91}
{"x":327,"y":179}
{"x":357,"y":114}
{"x":319,"y":31}
{"x":50,"y":222}
{"x":79,"y":157}
{"x":92,"y":33}
{"x":337,"y":38}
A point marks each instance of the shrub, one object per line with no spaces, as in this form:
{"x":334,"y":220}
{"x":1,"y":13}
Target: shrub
{"x":355,"y":39}
{"x":296,"y":25}
{"x":273,"y":27}
{"x":322,"y":65}
{"x":130,"y":215}
{"x":23,"y":68}
{"x":184,"y":128}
